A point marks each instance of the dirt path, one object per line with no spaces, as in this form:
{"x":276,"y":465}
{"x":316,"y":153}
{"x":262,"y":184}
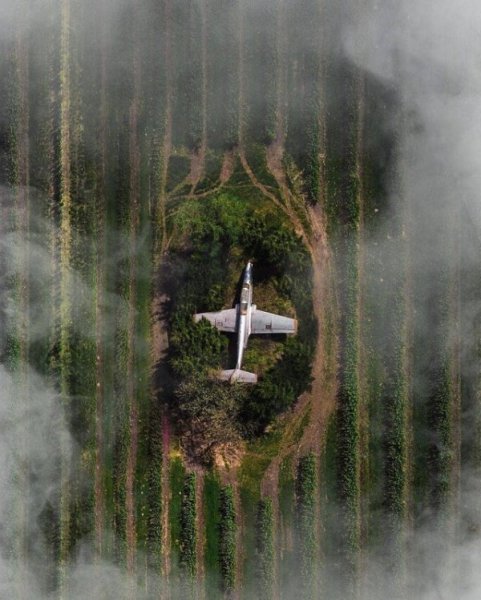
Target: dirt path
{"x":228,"y":163}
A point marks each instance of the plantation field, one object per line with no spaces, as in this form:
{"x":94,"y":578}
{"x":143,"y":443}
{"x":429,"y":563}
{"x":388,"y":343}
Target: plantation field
{"x":147,"y":151}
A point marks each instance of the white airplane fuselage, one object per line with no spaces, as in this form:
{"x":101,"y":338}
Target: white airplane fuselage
{"x":244,"y":316}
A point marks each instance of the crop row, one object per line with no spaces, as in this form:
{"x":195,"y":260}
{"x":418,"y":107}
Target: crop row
{"x":187,"y":69}
{"x":306,"y":484}
{"x":305,"y":93}
{"x":227,"y":539}
{"x":260,"y":71}
{"x":154,"y":490}
{"x":265,"y":549}
{"x":223,"y":75}
{"x":439,"y":404}
{"x":343,"y":208}
{"x":188,"y":532}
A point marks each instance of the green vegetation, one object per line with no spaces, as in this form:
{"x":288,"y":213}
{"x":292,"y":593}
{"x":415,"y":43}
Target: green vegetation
{"x":261,"y":76}
{"x":154,"y":491}
{"x":227,"y":539}
{"x":211,"y":504}
{"x":306,"y":524}
{"x":188,"y":533}
{"x":305,"y":90}
{"x":265,"y":550}
{"x":222,"y":234}
{"x":176,"y":486}
{"x":224,"y":77}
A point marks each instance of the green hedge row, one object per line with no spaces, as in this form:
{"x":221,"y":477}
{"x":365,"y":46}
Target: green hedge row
{"x":227,"y":539}
{"x":265,"y":550}
{"x":348,"y":398}
{"x":188,"y":532}
{"x":306,"y":481}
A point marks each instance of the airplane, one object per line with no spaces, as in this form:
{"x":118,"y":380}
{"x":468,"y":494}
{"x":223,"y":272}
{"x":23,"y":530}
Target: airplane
{"x":246,"y":319}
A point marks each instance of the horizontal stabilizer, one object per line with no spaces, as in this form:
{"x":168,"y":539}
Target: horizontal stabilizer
{"x":234,"y":375}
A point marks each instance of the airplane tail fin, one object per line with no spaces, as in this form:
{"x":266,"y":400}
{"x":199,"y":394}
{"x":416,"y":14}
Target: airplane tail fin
{"x":234,"y":375}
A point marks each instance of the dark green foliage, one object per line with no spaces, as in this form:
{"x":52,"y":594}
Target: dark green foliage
{"x":280,"y":386}
{"x":306,"y":524}
{"x":227,"y":539}
{"x":265,"y":550}
{"x":440,"y":452}
{"x":188,"y":532}
{"x":195,"y":347}
{"x":394,"y":400}
{"x":211,"y":503}
{"x":348,"y":398}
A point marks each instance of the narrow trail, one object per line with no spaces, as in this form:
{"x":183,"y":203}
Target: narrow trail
{"x":227,"y":168}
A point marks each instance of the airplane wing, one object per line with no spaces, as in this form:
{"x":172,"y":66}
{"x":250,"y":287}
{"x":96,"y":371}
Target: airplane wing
{"x":264,"y":322}
{"x":224,"y":320}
